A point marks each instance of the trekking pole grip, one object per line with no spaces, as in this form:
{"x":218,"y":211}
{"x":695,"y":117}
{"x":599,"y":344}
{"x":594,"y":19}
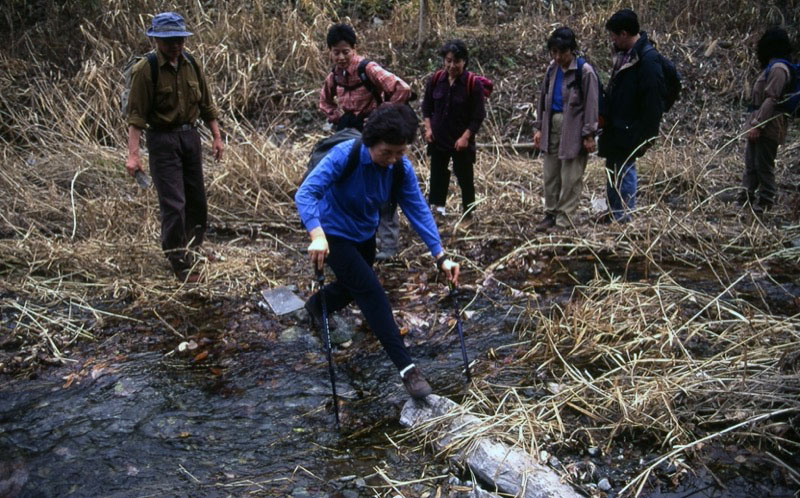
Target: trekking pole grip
{"x":319,"y":273}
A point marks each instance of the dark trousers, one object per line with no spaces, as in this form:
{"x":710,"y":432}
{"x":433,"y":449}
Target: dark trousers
{"x":177,"y":170}
{"x":463,"y":160}
{"x":351,"y":262}
{"x":759,"y":170}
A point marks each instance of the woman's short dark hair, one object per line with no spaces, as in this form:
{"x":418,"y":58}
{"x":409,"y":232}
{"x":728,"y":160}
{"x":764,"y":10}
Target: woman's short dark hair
{"x":456,"y":47}
{"x":562,"y":39}
{"x":623,"y":20}
{"x":341,"y":32}
{"x":773,"y":44}
{"x":394,"y":124}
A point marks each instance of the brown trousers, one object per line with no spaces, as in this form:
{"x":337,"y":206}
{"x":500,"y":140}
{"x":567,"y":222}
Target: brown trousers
{"x":177,"y":169}
{"x":759,"y":170}
{"x":563,"y":179}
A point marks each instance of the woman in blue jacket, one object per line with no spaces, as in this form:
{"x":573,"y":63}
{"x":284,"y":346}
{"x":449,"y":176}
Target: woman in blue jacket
{"x":340,"y":212}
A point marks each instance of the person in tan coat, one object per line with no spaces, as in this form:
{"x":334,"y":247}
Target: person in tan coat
{"x":766,"y":124}
{"x":565,"y":128}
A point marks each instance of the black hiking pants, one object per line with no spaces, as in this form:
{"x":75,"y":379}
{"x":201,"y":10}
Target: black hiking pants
{"x":463,"y":161}
{"x":177,"y":170}
{"x":351,"y":262}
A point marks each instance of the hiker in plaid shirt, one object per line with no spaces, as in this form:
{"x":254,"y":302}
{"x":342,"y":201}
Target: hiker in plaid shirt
{"x":347,"y":100}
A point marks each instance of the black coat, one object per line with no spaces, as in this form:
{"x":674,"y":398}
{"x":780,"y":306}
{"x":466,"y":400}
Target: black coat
{"x":632,"y":105}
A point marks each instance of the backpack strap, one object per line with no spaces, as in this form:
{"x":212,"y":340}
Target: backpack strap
{"x":578,"y":82}
{"x":398,"y":176}
{"x":191,"y":59}
{"x":352,"y":160}
{"x":152,"y":59}
{"x":546,"y":81}
{"x":361,"y":70}
{"x":470,"y":83}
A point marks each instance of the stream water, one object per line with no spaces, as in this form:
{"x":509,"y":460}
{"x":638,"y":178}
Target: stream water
{"x":254,"y":416}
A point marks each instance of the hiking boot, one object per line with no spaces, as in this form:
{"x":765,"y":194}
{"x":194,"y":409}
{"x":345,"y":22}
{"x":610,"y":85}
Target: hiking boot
{"x":548,"y":222}
{"x":314,"y":309}
{"x":415,"y":384}
{"x":745,"y":198}
{"x":187,"y":276}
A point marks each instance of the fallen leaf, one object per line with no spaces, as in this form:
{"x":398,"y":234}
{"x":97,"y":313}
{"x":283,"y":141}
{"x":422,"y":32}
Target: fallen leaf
{"x":69,"y":380}
{"x":201,"y":356}
{"x":184,"y":434}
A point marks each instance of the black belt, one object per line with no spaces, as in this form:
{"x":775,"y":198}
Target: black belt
{"x":183,"y":127}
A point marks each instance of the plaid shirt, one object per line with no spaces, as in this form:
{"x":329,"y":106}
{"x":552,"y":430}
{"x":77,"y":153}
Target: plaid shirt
{"x":360,"y":101}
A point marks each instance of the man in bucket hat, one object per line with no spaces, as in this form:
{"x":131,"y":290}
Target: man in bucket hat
{"x":168,"y":95}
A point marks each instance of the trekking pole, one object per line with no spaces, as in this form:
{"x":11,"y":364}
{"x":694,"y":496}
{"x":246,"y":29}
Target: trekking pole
{"x":454,"y":296}
{"x":326,"y":337}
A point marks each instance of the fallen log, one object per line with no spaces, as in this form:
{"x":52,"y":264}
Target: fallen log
{"x":508,"y":469}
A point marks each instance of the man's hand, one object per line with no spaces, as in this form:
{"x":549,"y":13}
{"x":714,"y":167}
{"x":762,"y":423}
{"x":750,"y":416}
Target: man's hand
{"x":318,"y":248}
{"x":451,"y":270}
{"x":216,"y":145}
{"x":588,"y":143}
{"x":428,"y":135}
{"x":537,"y":139}
{"x":133,"y":164}
{"x":216,"y":148}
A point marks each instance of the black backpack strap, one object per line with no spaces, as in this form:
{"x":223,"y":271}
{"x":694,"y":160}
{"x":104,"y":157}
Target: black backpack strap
{"x":362,"y":75}
{"x":546,"y":82}
{"x":352,"y":160}
{"x":398,"y":176}
{"x":578,"y":83}
{"x":191,"y":59}
{"x":152,"y":59}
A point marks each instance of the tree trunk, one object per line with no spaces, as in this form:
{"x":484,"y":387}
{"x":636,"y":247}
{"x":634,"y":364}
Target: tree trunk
{"x":421,"y":31}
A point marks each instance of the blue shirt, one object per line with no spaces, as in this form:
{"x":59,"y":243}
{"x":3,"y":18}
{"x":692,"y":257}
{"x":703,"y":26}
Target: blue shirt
{"x":349,"y":208}
{"x":558,"y":100}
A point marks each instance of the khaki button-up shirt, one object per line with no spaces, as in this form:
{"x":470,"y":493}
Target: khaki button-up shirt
{"x":182,"y":95}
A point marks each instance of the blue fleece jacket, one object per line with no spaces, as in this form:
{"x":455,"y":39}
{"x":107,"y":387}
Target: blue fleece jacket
{"x":349,"y":208}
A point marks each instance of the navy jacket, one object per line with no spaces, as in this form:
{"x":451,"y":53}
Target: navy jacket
{"x":632,"y":105}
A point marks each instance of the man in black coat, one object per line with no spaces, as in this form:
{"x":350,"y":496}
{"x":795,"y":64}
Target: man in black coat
{"x":630,"y":113}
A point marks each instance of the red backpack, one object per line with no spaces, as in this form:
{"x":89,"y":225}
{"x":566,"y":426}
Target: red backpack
{"x":487,"y":84}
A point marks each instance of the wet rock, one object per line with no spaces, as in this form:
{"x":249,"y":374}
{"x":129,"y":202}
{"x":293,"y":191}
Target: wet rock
{"x":349,"y":493}
{"x":361,"y":483}
{"x":479,"y":492}
{"x":509,"y":469}
{"x":300,"y":492}
{"x":343,"y":333}
{"x":13,"y":477}
{"x":796,"y":243}
{"x":593,"y":451}
{"x":291,"y":334}
{"x":604,"y":485}
{"x":554,"y":462}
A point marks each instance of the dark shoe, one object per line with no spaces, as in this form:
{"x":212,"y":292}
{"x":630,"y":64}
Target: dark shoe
{"x":314,"y":309}
{"x":548,"y":222}
{"x":416,"y":385}
{"x":745,"y":198}
{"x":187,"y":276}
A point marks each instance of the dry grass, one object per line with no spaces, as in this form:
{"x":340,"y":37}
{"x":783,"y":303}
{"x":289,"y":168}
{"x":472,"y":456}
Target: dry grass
{"x":79,"y":242}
